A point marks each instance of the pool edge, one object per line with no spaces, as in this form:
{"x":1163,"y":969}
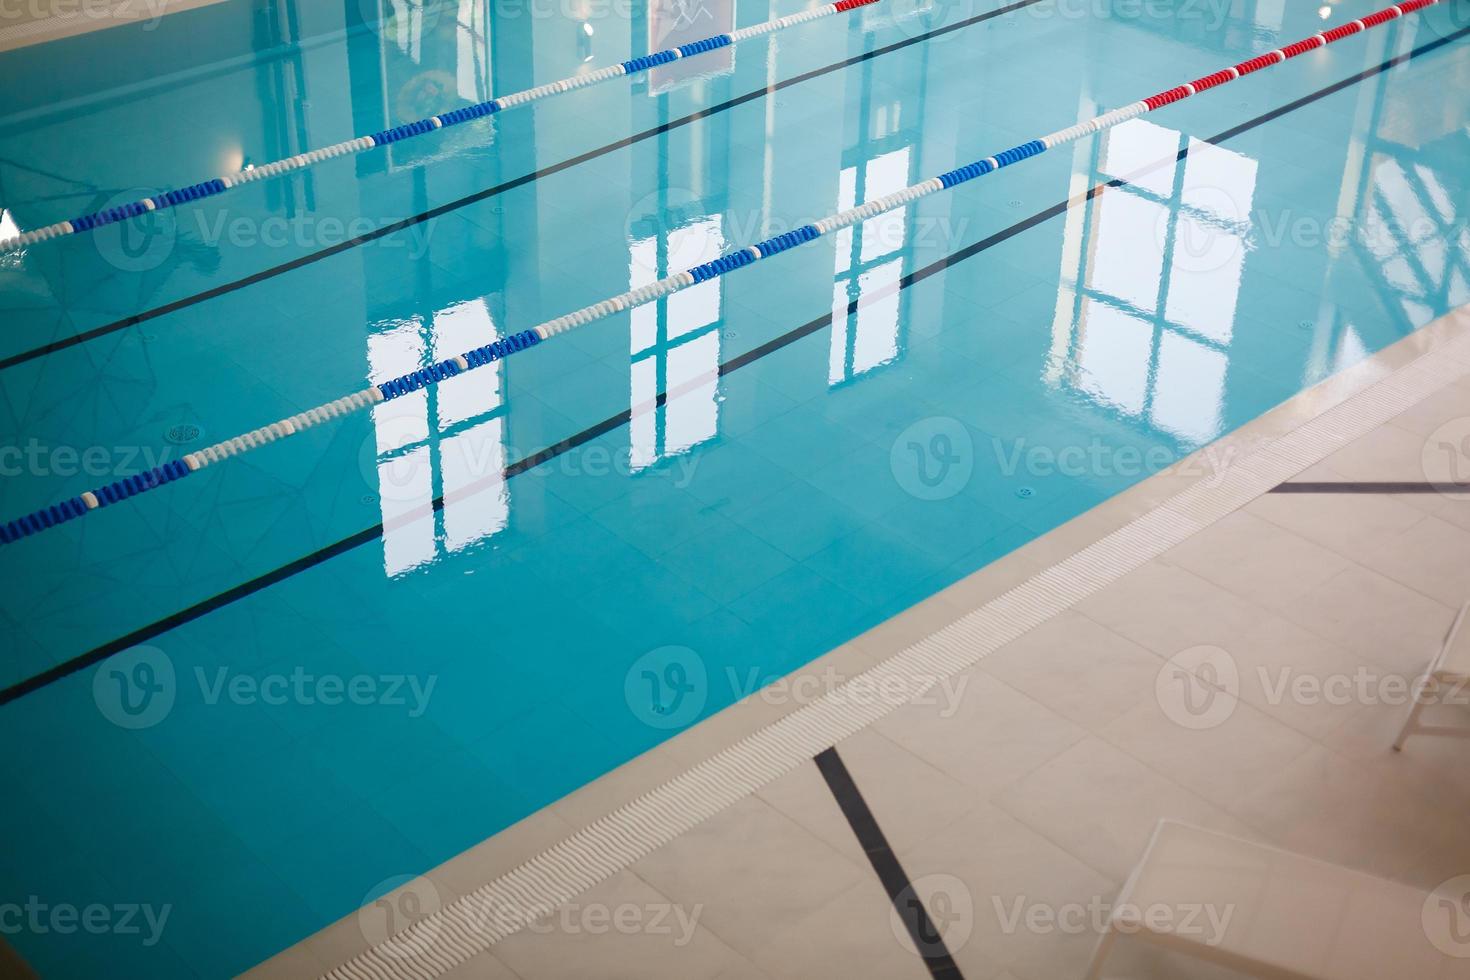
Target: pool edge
{"x":1193,"y":494}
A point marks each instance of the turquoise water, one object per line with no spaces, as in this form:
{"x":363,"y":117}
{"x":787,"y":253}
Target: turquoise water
{"x":322,"y":682}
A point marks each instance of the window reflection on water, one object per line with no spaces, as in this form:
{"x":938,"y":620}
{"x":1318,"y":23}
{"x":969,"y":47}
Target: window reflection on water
{"x":447,"y":440}
{"x":675,"y":344}
{"x":1151,"y":276}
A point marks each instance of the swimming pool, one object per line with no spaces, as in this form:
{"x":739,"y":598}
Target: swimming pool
{"x":242,"y":707}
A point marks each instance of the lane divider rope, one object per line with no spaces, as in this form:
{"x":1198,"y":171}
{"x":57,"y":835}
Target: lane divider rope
{"x":218,"y":185}
{"x":118,"y":490}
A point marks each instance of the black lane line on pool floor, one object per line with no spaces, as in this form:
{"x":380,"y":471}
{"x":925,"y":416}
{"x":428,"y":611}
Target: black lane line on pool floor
{"x":1364,"y":487}
{"x":489,"y":192}
{"x":246,"y":589}
{"x":907,"y":903}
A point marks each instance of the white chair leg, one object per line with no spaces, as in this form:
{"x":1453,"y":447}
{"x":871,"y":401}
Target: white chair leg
{"x":1104,"y":944}
{"x":1427,"y":686}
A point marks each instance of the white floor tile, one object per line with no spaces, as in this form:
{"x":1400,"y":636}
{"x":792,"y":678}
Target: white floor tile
{"x":751,"y":869}
{"x":1102,"y":806}
{"x":1168,"y":609}
{"x":1219,"y":763}
{"x":622,"y":928}
{"x":1256,"y":560}
{"x":1081,"y":670}
{"x":994,"y":736}
{"x":1375,"y":617}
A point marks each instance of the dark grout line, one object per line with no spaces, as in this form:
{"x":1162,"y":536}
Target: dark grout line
{"x":1359,"y":487}
{"x":489,"y":192}
{"x":260,"y":582}
{"x":927,"y":939}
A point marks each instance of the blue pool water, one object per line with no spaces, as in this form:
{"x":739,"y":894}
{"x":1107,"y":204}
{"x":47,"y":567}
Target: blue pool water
{"x":318,"y":680}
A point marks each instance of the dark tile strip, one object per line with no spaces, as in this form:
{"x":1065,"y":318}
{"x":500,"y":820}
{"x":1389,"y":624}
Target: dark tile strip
{"x":1355,"y":487}
{"x":926,"y":936}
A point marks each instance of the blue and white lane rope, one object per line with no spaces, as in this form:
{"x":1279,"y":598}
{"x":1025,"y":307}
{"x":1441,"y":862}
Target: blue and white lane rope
{"x":218,"y":185}
{"x":193,"y":462}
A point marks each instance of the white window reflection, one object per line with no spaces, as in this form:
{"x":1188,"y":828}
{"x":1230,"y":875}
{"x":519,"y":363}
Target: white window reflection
{"x":472,"y":50}
{"x":1399,"y":223}
{"x":1158,"y":259}
{"x":445,"y":441}
{"x":403,"y":24}
{"x":1409,"y":237}
{"x":410,"y":25}
{"x":433,"y":55}
{"x":869,"y":263}
{"x":9,"y":229}
{"x":675,"y":344}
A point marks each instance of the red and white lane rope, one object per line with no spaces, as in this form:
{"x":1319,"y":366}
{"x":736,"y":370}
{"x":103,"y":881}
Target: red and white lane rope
{"x":453,"y":117}
{"x":480,"y":356}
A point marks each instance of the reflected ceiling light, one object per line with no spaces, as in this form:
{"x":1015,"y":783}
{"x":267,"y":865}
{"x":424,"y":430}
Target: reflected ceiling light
{"x":1324,"y":11}
{"x":584,"y":42}
{"x":233,"y":158}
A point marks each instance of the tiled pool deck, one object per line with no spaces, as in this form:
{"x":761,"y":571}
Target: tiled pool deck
{"x":1016,"y":794}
